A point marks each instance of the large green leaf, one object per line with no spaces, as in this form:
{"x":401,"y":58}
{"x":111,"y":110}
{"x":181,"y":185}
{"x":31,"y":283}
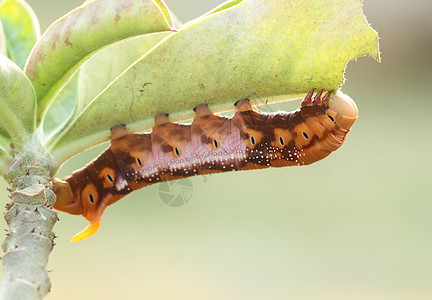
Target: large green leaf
{"x":94,"y":76}
{"x":71,"y":40}
{"x":22,"y":37}
{"x":61,"y":110}
{"x":4,"y":136}
{"x":259,"y":49}
{"x":17,"y":101}
{"x":104,"y":67}
{"x":3,"y":49}
{"x":21,"y":27}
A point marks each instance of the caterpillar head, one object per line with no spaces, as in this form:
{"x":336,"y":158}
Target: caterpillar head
{"x":345,"y":109}
{"x":329,"y":126}
{"x":74,"y":199}
{"x":311,"y":133}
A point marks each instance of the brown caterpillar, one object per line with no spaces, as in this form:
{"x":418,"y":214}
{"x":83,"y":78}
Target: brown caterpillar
{"x":212,"y":143}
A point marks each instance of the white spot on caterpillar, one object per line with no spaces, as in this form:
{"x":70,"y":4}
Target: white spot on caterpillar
{"x":120,"y":184}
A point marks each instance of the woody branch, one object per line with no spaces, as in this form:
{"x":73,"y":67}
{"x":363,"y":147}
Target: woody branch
{"x":30,"y":218}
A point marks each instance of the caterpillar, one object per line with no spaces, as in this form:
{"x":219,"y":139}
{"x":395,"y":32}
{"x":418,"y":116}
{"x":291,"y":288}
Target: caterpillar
{"x":211,"y":143}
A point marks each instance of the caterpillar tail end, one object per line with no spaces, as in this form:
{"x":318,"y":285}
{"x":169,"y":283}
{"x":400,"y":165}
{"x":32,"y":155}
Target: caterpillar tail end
{"x":87,"y":232}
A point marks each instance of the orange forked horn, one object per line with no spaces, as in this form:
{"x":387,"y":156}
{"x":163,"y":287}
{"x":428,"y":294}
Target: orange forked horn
{"x":94,"y":215}
{"x":86,"y":202}
{"x":87,"y":232}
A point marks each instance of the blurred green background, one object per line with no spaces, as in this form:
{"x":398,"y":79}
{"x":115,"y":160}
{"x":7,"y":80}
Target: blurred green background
{"x":356,"y":225}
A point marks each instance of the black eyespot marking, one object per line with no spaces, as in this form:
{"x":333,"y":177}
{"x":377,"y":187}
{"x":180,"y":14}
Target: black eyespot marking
{"x":110,"y":178}
{"x":305,"y":135}
{"x":281,"y":141}
{"x":177,"y":151}
{"x":215,"y":144}
{"x":139,"y":161}
{"x":91,"y":198}
{"x":331,"y":118}
{"x":252,"y":140}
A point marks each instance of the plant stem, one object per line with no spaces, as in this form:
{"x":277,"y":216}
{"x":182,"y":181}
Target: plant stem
{"x":30,"y":218}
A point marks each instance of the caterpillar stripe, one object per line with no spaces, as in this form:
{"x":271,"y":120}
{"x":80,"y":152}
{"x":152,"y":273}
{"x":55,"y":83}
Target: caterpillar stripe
{"x":212,"y":143}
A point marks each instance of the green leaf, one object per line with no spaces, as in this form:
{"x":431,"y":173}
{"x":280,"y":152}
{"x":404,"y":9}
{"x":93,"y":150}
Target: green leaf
{"x":219,"y":8}
{"x":259,"y":49}
{"x":61,"y":110}
{"x":94,"y":76}
{"x":17,"y":101}
{"x":224,"y":6}
{"x":3,"y":49}
{"x":104,"y":67}
{"x":73,"y":39}
{"x":166,"y":12}
{"x":4,"y":136}
{"x":5,"y":139}
{"x":5,"y":151}
{"x":5,"y":154}
{"x":21,"y":27}
{"x":4,"y":145}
